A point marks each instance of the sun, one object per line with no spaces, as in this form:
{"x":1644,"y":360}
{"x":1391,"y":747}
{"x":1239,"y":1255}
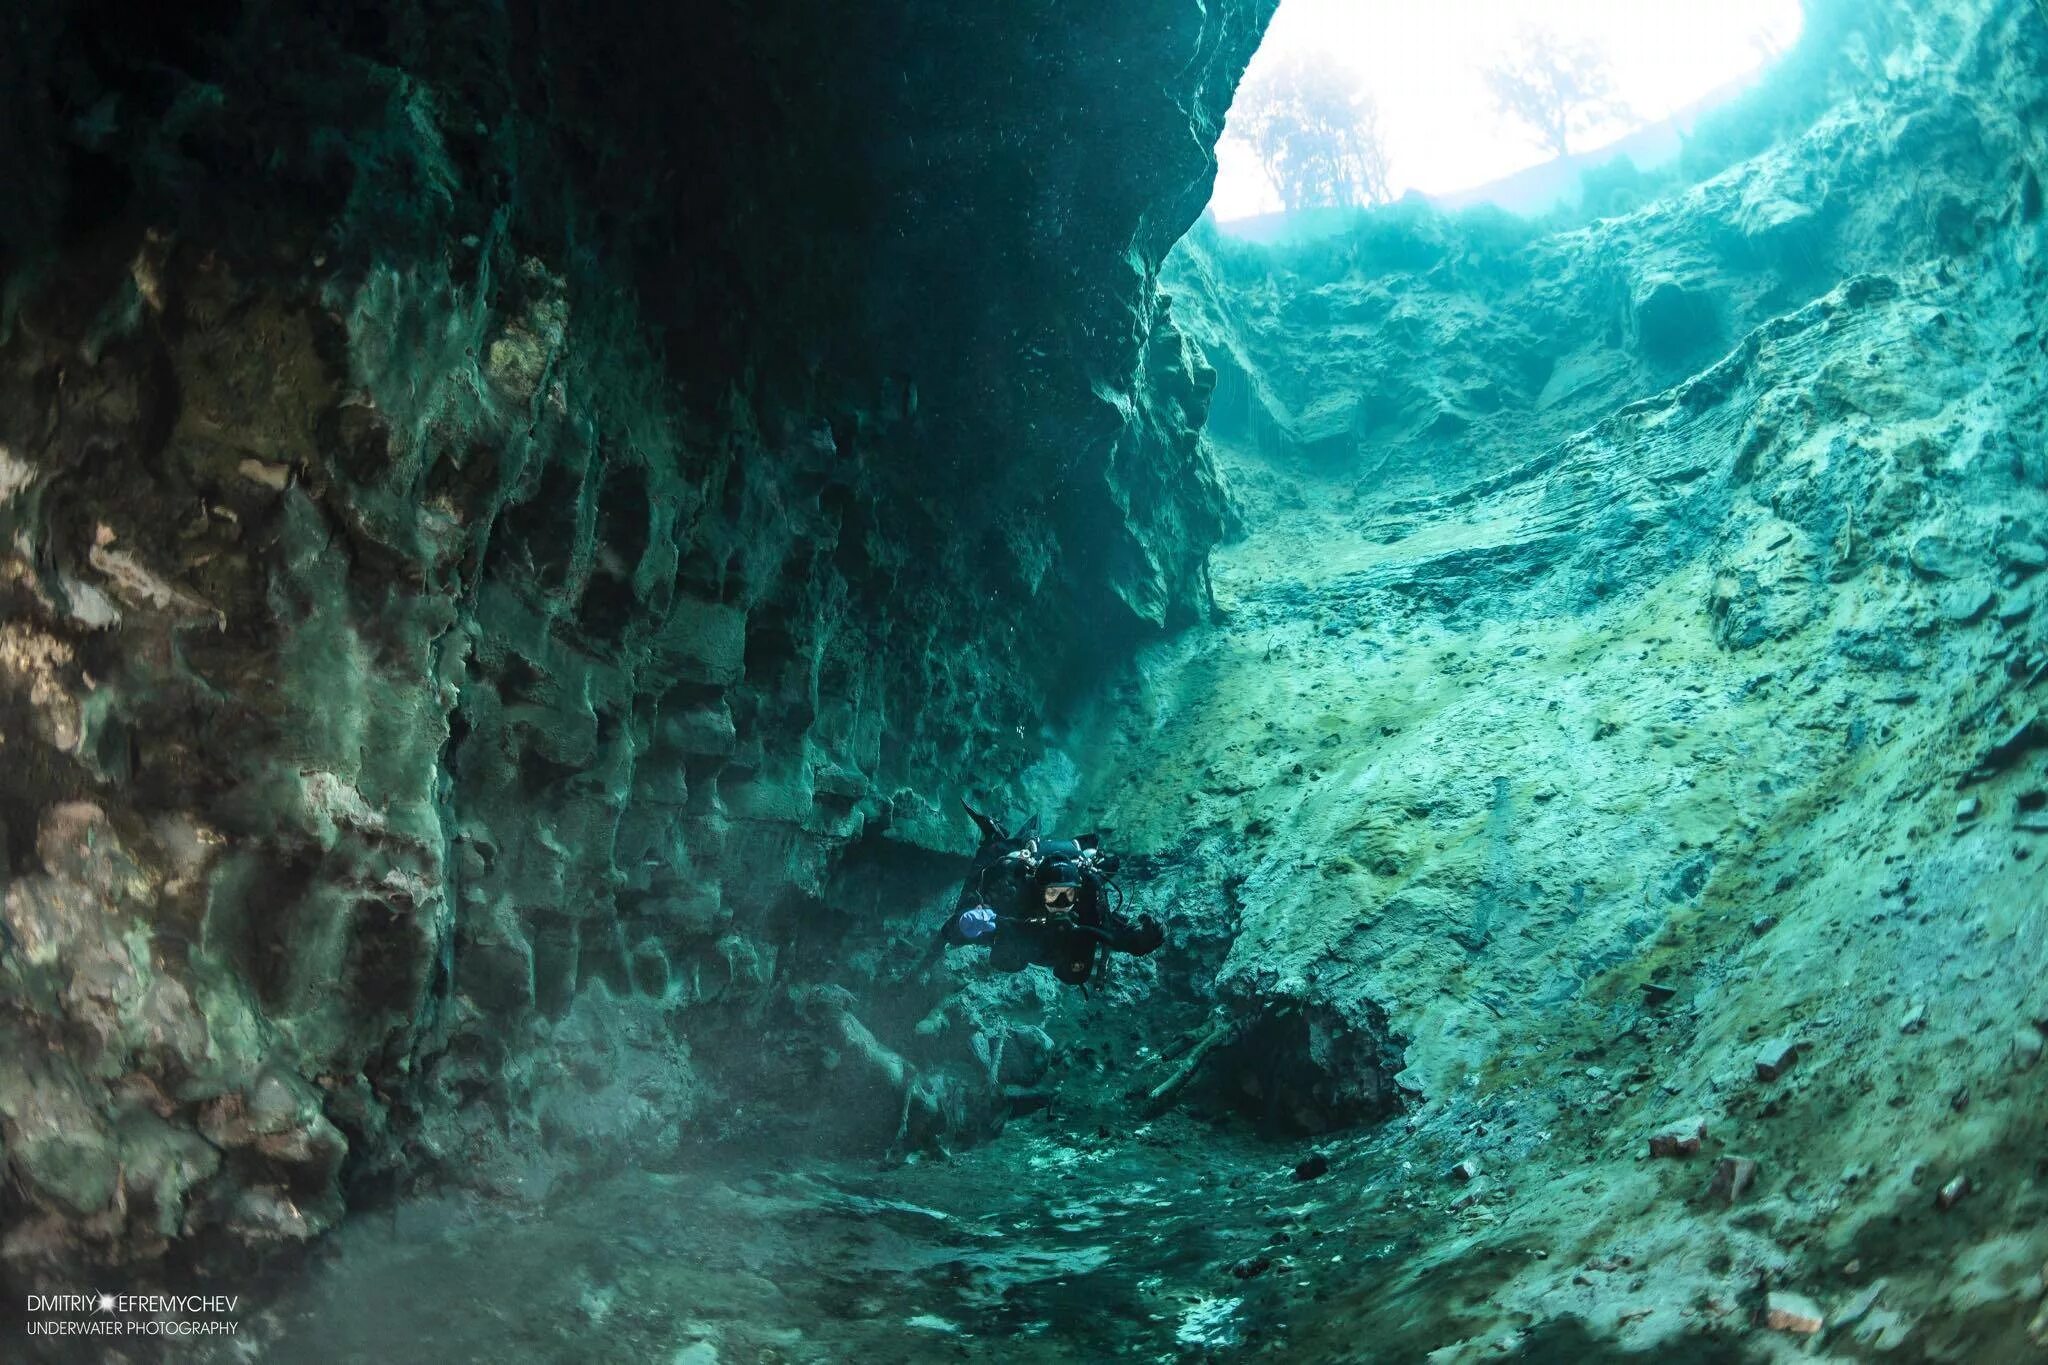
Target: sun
{"x":1424,"y":68}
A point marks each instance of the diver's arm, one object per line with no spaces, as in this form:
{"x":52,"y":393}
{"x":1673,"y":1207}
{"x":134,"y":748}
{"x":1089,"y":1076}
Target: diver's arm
{"x":1137,"y":939}
{"x":950,"y":935}
{"x":1121,"y":934}
{"x":968,"y":924}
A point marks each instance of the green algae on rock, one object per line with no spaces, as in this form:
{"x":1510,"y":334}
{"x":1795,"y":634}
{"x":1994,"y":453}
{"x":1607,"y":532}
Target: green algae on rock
{"x":1581,"y":641}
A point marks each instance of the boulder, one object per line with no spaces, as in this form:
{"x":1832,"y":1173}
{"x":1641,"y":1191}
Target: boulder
{"x":1679,"y":1139}
{"x":1794,"y":1313}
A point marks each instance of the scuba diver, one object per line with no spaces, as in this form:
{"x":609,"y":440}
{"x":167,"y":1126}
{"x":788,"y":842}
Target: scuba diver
{"x":1043,"y":900}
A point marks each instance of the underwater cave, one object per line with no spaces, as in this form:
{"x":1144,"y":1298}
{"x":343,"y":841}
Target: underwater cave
{"x":1177,"y":680}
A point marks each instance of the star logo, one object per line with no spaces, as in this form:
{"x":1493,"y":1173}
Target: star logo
{"x":106,"y":1303}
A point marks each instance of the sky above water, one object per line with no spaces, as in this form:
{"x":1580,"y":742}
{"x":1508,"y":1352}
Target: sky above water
{"x":1423,"y":60}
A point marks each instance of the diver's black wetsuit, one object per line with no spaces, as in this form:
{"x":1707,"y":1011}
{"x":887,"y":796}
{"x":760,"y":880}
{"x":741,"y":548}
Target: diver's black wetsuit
{"x":1012,"y":881}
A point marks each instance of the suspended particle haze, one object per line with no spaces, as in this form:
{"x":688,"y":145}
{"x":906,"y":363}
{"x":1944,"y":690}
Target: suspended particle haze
{"x":1425,"y":67}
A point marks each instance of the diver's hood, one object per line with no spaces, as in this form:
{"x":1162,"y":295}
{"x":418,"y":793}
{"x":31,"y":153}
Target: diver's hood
{"x":1060,"y":873}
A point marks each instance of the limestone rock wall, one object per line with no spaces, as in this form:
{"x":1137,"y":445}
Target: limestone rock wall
{"x":1630,"y":677}
{"x":1461,"y":346}
{"x":1806,"y":392}
{"x":496,"y":500}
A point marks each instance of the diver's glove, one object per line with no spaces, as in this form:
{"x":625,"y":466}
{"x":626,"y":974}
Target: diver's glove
{"x":1146,"y":937}
{"x":976,"y":922}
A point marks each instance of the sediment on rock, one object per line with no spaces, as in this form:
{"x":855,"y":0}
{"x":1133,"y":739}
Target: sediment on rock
{"x":1635,"y":623}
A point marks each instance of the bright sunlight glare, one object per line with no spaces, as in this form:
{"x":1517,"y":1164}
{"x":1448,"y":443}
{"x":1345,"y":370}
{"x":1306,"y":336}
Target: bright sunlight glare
{"x":1425,"y":65}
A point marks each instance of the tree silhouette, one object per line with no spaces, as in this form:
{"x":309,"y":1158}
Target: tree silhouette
{"x":1555,"y":87}
{"x":1316,"y":132}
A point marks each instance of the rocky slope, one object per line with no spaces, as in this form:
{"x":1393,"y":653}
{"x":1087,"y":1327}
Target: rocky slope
{"x":1626,"y":714}
{"x":519,"y":522}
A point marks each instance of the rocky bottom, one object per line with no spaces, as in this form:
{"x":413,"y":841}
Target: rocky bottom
{"x":1173,"y":1240}
{"x":1167,"y":1241}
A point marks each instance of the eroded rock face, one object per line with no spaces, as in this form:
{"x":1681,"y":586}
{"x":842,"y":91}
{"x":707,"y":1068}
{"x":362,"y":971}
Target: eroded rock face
{"x":496,"y":498}
{"x":1621,"y":669}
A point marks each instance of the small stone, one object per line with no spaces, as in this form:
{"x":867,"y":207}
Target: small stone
{"x":1763,"y":924}
{"x":2018,"y":606}
{"x":1938,"y":557}
{"x":2012,"y":744}
{"x":1464,"y":1171}
{"x":1251,"y":1267}
{"x":271,"y":476}
{"x":2026,"y":1047}
{"x":1775,"y":1058}
{"x":1952,"y":1193}
{"x":1968,"y":809}
{"x":1657,"y":992}
{"x":1794,"y":1313}
{"x":1679,"y":1139}
{"x":1311,"y":1167}
{"x":1966,"y":603}
{"x":2023,"y":555}
{"x":1733,"y":1175}
{"x":1916,"y":1018}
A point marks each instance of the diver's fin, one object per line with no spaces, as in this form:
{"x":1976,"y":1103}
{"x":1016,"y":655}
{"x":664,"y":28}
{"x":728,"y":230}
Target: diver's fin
{"x":989,"y":828}
{"x":1030,"y":830}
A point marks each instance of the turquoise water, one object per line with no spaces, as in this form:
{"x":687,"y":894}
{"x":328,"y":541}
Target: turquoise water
{"x":522,"y":526}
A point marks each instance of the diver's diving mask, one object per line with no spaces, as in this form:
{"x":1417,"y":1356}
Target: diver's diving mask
{"x":1062,"y":898}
